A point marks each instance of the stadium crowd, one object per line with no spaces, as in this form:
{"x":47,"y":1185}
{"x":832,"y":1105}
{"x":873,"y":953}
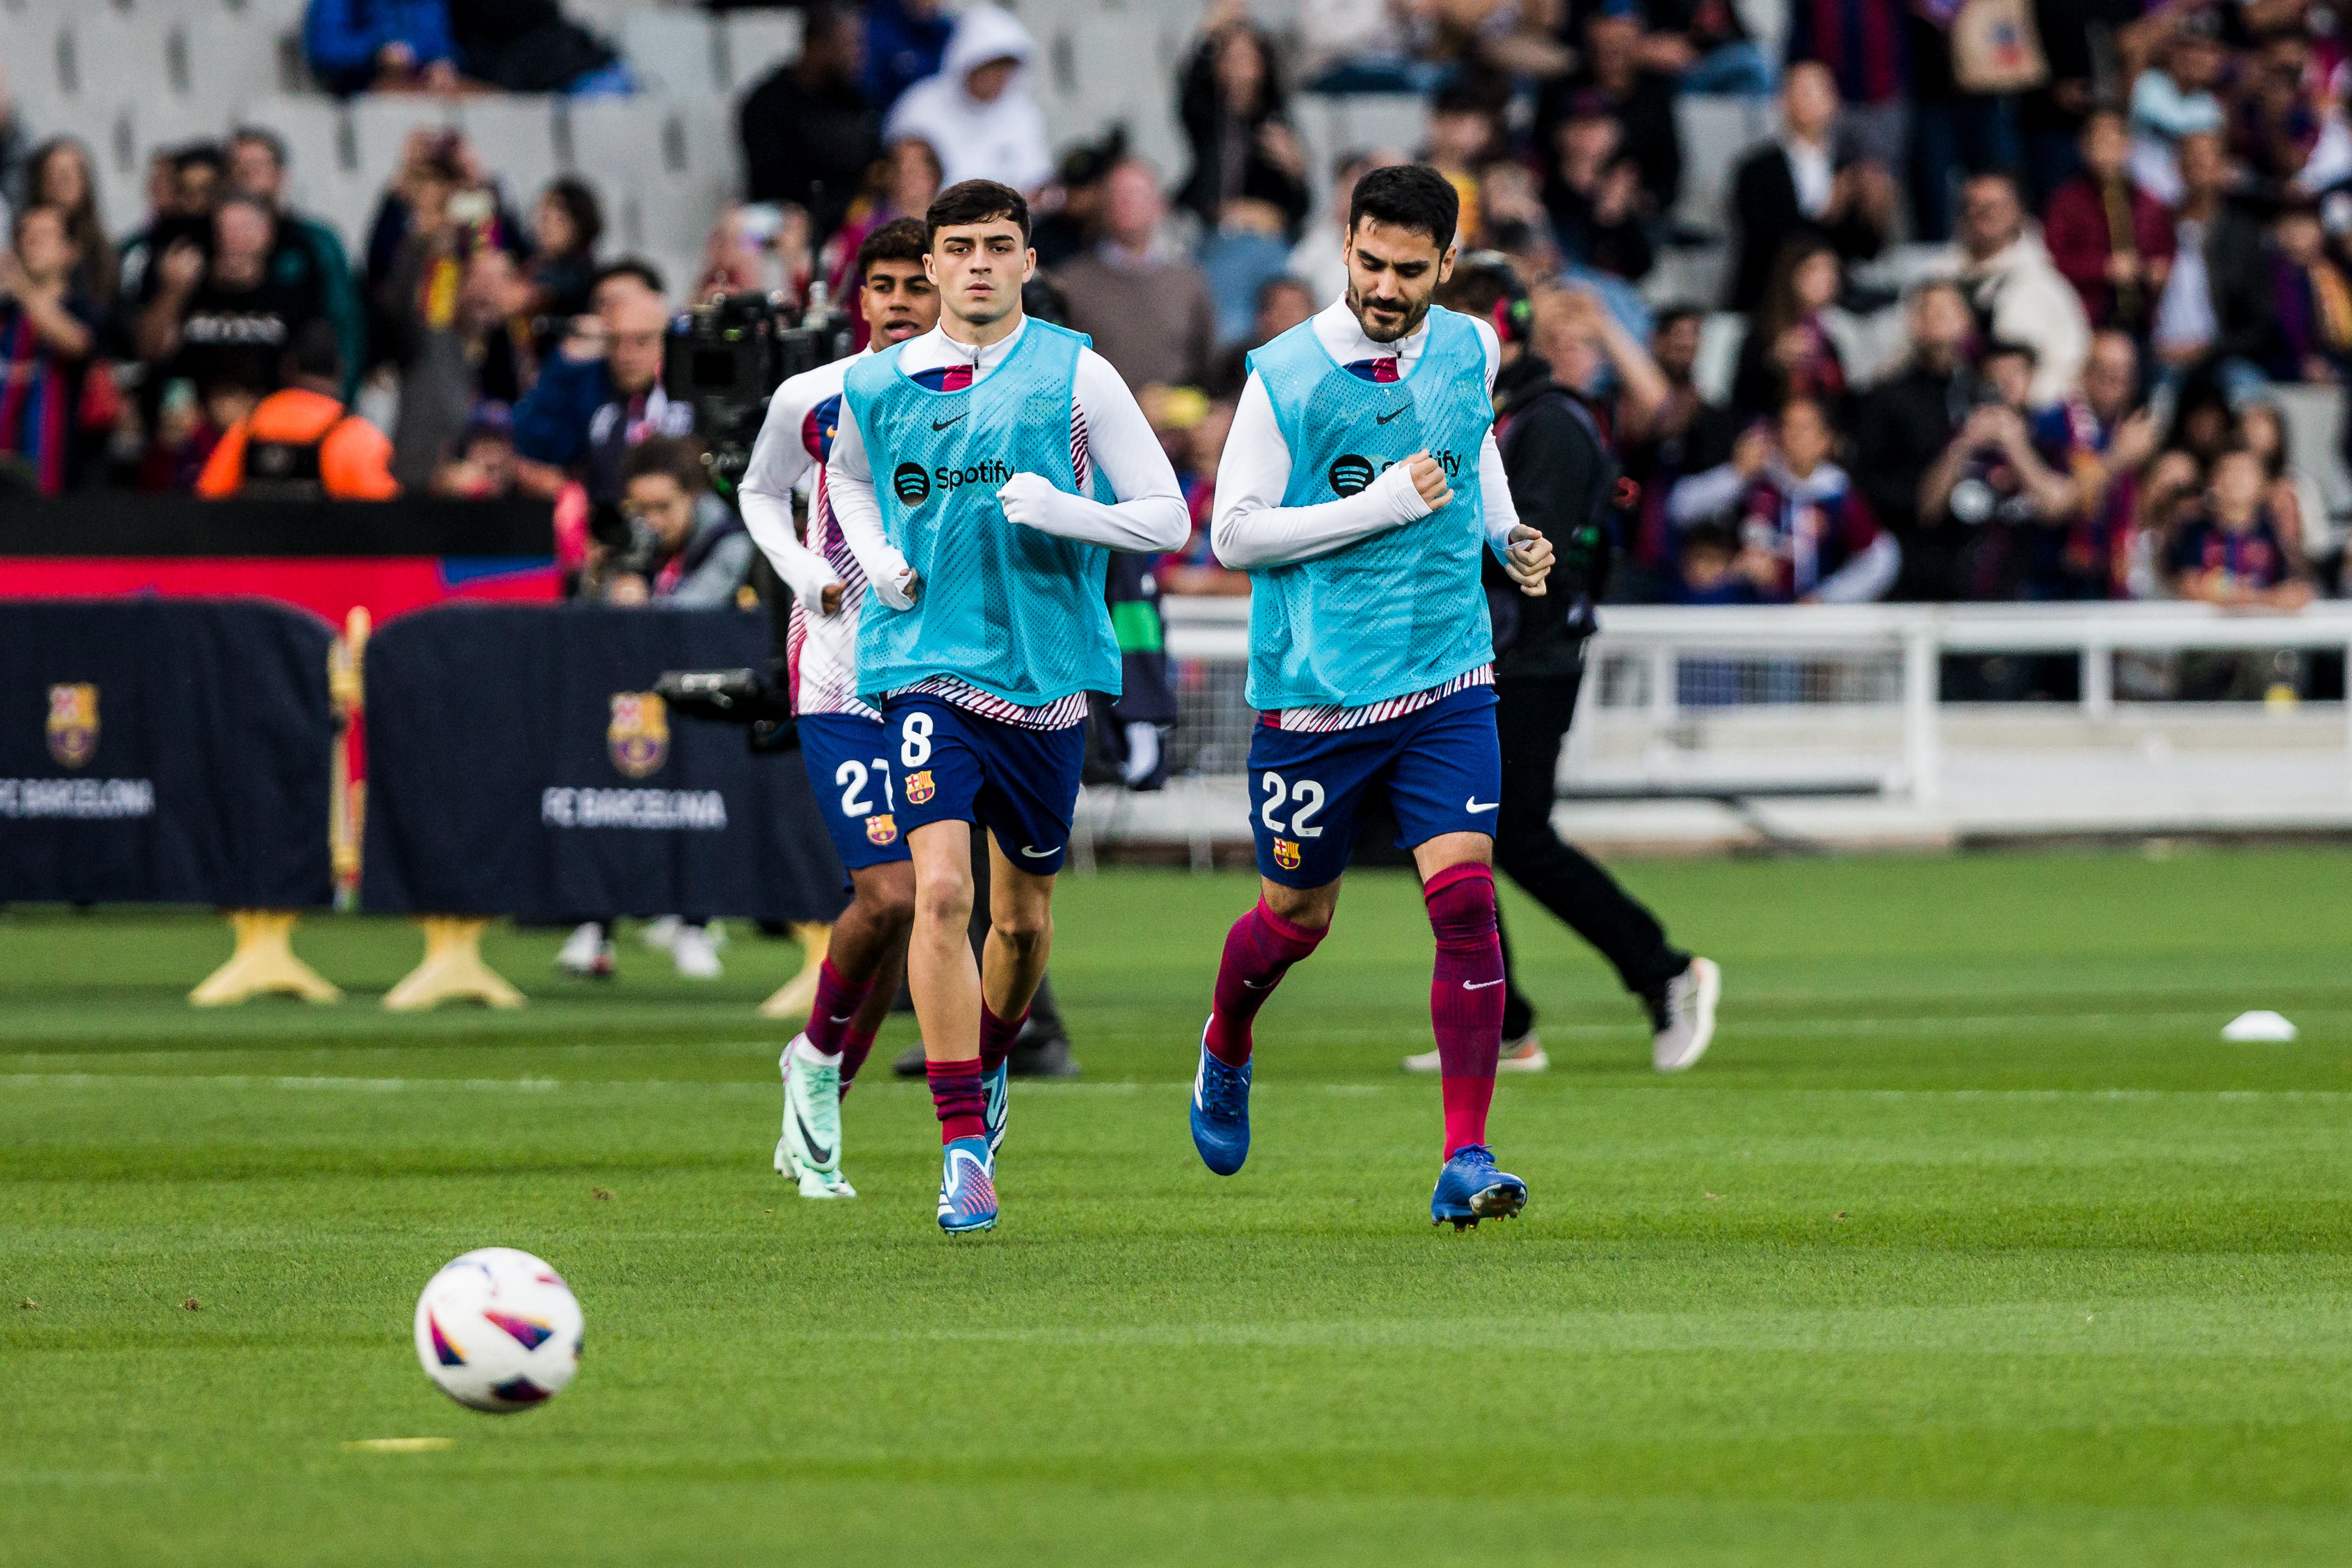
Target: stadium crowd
{"x":1994,"y":339}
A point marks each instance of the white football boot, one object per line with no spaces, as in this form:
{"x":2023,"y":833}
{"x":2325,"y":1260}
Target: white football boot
{"x":810,"y":1149}
{"x":694,"y":953}
{"x":1685,"y":1016}
{"x":1525,"y":1054}
{"x":587,"y":952}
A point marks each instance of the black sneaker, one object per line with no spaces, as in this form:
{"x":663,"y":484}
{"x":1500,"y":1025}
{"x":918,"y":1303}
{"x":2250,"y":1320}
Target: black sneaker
{"x":1036,"y":1055}
{"x":910,"y":1062}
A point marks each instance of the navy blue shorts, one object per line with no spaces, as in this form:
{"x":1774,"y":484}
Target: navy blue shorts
{"x":955,"y":766}
{"x":849,"y":767}
{"x":1440,"y":768}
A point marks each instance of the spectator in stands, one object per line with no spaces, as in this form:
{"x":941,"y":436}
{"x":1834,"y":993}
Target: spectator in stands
{"x":1713,"y":568}
{"x":1235,"y":117}
{"x":905,"y":41}
{"x":2010,"y":481}
{"x":902,"y":184}
{"x":566,"y":228}
{"x":601,"y":394}
{"x":432,"y":159}
{"x":977,"y":112}
{"x":2214,"y":315}
{"x":2283,"y":127}
{"x":1685,"y":434}
{"x":2111,"y":239}
{"x":1282,"y":303}
{"x":1789,"y":352}
{"x":300,"y":441}
{"x":182,"y":193}
{"x":529,"y":46}
{"x":2174,"y":98}
{"x":382,"y":45}
{"x":482,"y":466}
{"x":1864,"y":45}
{"x":2111,"y":439}
{"x":1317,"y":259}
{"x":1706,"y":42}
{"x":228,"y":319}
{"x":47,"y":328}
{"x":1067,"y":219}
{"x":190,"y":422}
{"x":2015,"y":290}
{"x":1148,"y":315}
{"x":1463,"y":133}
{"x":1798,"y":184}
{"x":1807,"y":533}
{"x":1593,"y":193}
{"x":1903,"y":427}
{"x":629,"y":275}
{"x":2230,"y":552}
{"x":1641,"y":101}
{"x":309,"y":255}
{"x":59,"y":175}
{"x":808,"y":132}
{"x":2311,"y":299}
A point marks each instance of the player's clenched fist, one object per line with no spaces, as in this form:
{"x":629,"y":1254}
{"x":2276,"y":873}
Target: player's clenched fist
{"x":1026,"y":498}
{"x":1429,"y":480}
{"x":1529,"y":561}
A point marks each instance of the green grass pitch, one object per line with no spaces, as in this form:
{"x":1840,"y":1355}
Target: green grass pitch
{"x":1972,"y":1242}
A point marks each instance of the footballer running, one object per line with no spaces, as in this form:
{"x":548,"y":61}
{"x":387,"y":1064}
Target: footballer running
{"x":1358,"y":486}
{"x":842,"y":740}
{"x":963,"y":477}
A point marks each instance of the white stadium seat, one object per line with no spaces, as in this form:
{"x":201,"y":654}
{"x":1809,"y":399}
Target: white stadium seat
{"x":754,"y":43}
{"x":515,"y":138}
{"x":675,"y":51}
{"x":1717,"y":133}
{"x":381,"y":125}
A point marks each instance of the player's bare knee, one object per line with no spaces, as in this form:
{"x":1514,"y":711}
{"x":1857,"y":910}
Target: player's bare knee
{"x":1309,"y":907}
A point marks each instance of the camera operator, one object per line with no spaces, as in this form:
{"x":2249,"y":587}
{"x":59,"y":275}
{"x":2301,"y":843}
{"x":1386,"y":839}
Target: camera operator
{"x":1563,"y":482}
{"x":599,"y":394}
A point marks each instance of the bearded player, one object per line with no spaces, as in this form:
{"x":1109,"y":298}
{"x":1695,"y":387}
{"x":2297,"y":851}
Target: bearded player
{"x":842,"y":740}
{"x":1358,"y":486}
{"x":984,"y":550}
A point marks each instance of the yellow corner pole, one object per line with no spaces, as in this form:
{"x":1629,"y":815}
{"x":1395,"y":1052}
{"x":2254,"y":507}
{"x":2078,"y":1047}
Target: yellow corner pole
{"x":262,"y":964}
{"x":453,"y":970}
{"x":347,"y":809}
{"x":796,"y":995}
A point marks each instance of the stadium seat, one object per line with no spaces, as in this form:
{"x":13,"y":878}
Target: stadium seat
{"x":516,"y":139}
{"x":29,"y":47}
{"x":381,"y":124}
{"x":663,"y":169}
{"x":2314,"y":433}
{"x":753,"y":43}
{"x":229,"y":59}
{"x":324,"y":177}
{"x":278,"y":18}
{"x":1717,"y":133}
{"x":676,"y":52}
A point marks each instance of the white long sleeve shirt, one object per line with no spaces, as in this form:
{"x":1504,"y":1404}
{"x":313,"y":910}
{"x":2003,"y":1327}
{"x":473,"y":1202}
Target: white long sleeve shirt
{"x":821,"y":650}
{"x":1252,"y":530}
{"x":1108,"y":431}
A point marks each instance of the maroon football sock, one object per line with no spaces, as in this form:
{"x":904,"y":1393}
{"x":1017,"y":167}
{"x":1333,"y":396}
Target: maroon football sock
{"x":1466,"y":997}
{"x":996,"y":1036}
{"x":836,"y":1005}
{"x":855,"y":1049}
{"x":1259,"y":950}
{"x":956,"y":1093}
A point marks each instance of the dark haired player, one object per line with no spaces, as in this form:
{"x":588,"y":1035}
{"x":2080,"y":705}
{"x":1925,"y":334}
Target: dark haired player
{"x":985,"y":551}
{"x":842,"y":740}
{"x":1361,"y":489}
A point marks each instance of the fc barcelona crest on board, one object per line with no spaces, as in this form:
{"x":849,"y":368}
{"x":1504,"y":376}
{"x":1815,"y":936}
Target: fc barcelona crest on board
{"x":638,"y":736}
{"x":73,"y":723}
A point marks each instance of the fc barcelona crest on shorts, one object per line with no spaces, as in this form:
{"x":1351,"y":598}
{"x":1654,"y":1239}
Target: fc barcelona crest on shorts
{"x":73,"y":723}
{"x":881,"y":829}
{"x":638,"y":736}
{"x":1285,"y":854}
{"x":919,"y":787}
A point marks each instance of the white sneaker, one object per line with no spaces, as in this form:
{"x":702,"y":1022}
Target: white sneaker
{"x":587,"y":952}
{"x":1525,"y":1054}
{"x":658,"y":934}
{"x":695,"y":955}
{"x":1686,"y":1020}
{"x":810,"y":1148}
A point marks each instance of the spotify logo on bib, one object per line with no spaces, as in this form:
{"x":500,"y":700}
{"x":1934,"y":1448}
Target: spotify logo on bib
{"x":913,"y":484}
{"x":1350,"y":474}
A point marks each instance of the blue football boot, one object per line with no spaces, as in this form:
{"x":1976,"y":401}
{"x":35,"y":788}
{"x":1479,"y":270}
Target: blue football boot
{"x":1470,"y":1189}
{"x":998,"y":1086}
{"x":1220,"y":1112}
{"x":967,"y":1187}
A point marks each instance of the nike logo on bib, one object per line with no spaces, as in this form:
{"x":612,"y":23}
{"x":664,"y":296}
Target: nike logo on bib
{"x":1472,"y":805}
{"x":939,"y":425}
{"x":1384,"y":418}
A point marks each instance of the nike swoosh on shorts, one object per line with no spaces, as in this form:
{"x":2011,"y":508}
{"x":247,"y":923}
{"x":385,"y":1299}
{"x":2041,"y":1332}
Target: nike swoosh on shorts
{"x":1039,"y":854}
{"x":1472,"y":805}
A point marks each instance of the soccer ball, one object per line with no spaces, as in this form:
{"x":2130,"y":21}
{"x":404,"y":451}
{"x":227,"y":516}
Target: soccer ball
{"x":498,"y":1330}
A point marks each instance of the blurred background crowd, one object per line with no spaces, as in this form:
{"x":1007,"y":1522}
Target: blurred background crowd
{"x":1872,"y":299}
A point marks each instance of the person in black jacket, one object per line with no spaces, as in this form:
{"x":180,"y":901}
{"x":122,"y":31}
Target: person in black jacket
{"x":808,"y":133}
{"x":1564,"y":483}
{"x":1796,"y":187}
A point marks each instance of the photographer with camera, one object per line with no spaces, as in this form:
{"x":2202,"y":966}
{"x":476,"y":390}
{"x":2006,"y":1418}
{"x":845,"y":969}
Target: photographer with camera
{"x":2005,"y":476}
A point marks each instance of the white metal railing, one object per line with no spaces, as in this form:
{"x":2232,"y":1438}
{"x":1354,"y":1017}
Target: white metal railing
{"x":1215,"y":632}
